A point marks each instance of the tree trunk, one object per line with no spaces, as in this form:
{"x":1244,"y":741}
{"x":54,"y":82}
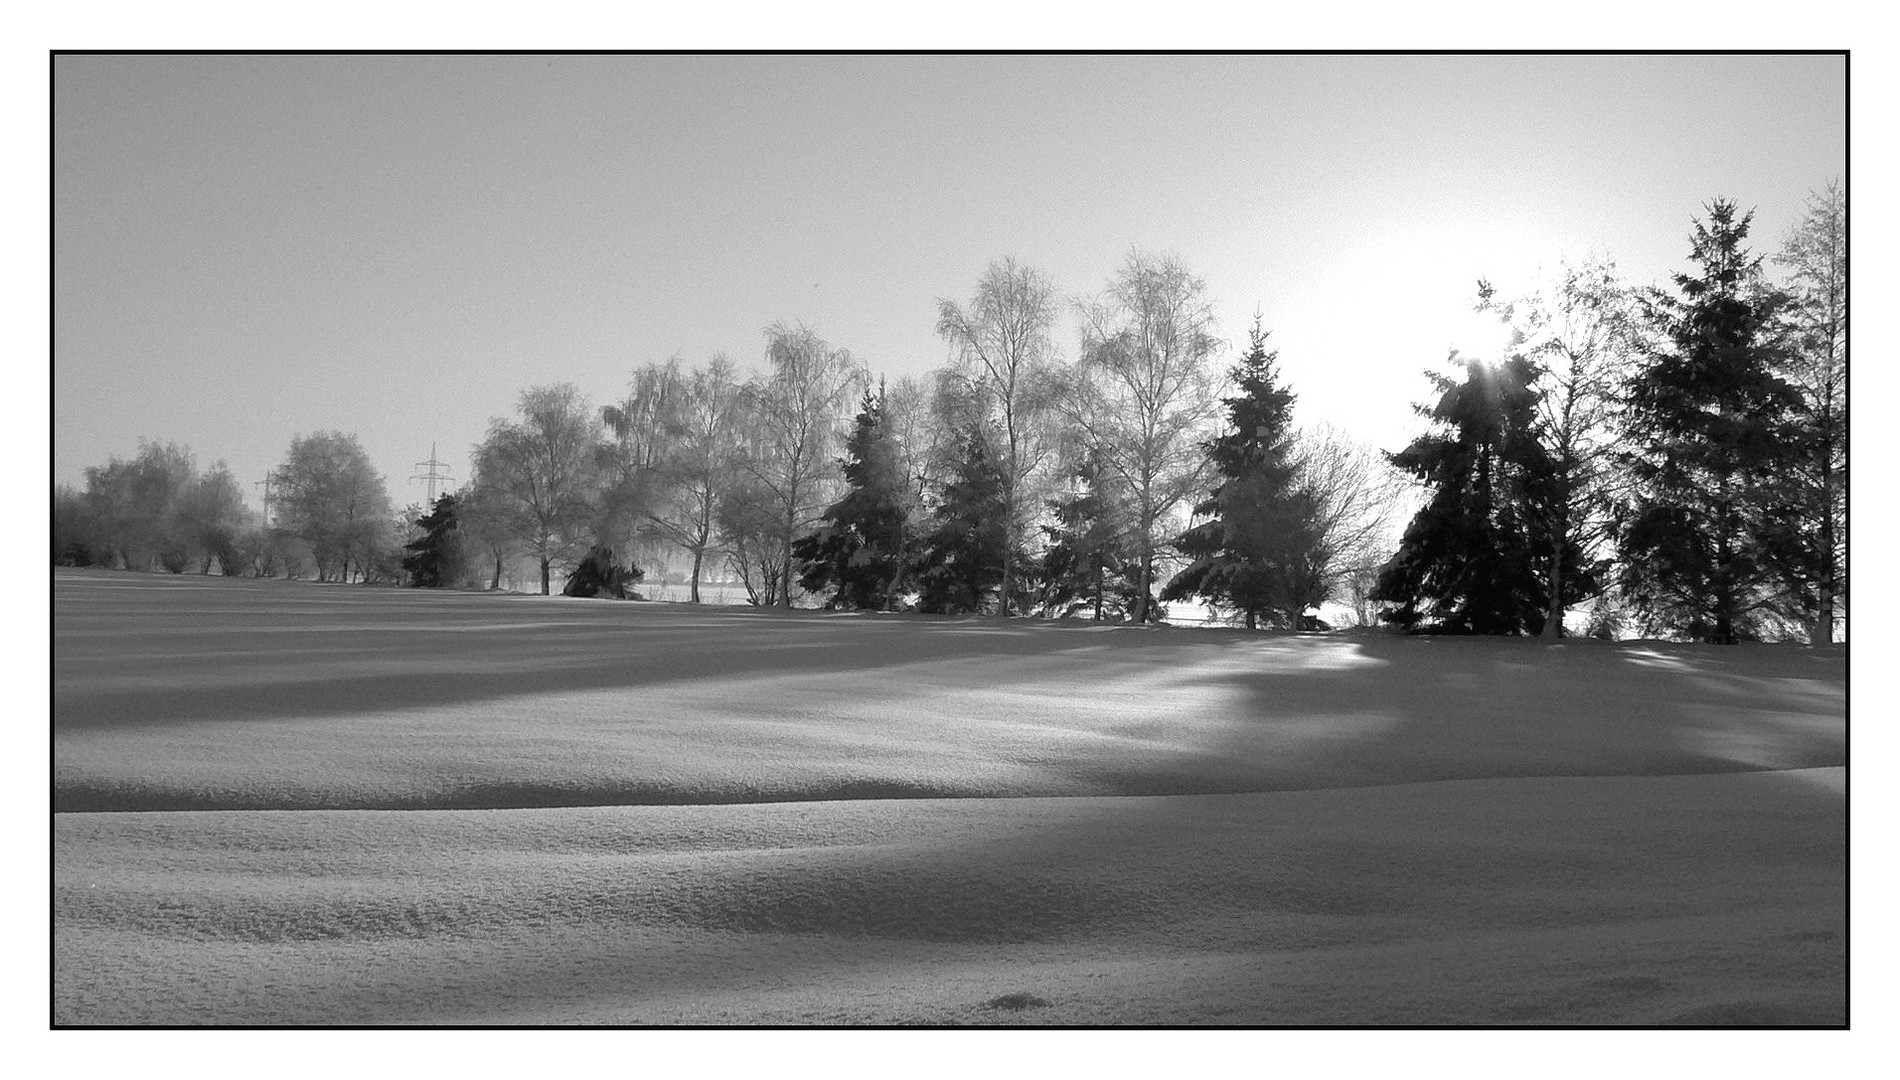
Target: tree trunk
{"x":1140,"y":612}
{"x":1724,"y":596}
{"x":897,"y":573}
{"x":1725,"y":599}
{"x":544,"y":575}
{"x":1822,"y":633}
{"x":785,"y":574}
{"x":1147,"y":586}
{"x":494,"y":584}
{"x":1554,"y":617}
{"x":699,"y":555}
{"x":1009,"y":538}
{"x":1002,"y":604}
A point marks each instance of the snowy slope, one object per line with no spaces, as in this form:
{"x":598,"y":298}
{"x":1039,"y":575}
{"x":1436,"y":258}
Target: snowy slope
{"x":472,"y":809}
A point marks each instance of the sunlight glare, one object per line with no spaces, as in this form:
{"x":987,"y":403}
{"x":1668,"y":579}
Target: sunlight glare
{"x":1479,"y":335}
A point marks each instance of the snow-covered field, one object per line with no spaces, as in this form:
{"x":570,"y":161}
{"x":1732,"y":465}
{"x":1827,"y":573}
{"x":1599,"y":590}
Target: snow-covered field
{"x":298,"y":804}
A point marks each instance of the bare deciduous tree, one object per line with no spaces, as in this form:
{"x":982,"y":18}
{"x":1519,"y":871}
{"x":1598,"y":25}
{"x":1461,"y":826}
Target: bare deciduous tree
{"x":483,"y":522}
{"x":1357,"y":498}
{"x":1004,"y":350}
{"x":214,"y":518}
{"x":639,"y":434}
{"x":539,"y":473}
{"x":1145,"y":395}
{"x":797,"y":411}
{"x":1576,"y":331}
{"x":1816,"y":255}
{"x":332,"y":497}
{"x":134,"y":506}
{"x":698,"y":464}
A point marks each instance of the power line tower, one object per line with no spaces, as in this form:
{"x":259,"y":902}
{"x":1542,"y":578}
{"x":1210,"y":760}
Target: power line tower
{"x":265,"y":484}
{"x":432,"y":476}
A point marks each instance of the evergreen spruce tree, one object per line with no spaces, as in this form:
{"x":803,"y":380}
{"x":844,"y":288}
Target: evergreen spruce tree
{"x":858,"y":553}
{"x":1706,"y":422}
{"x":961,"y":566}
{"x":1253,"y":552}
{"x":435,"y":557}
{"x":1467,"y":561}
{"x":1090,"y":561}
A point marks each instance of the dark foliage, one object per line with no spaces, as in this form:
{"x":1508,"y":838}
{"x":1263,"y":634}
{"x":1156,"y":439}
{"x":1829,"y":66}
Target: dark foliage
{"x":72,"y":528}
{"x":1467,"y":562}
{"x":599,"y":575}
{"x":1707,"y":426}
{"x":1091,"y":560}
{"x":435,"y":558}
{"x":858,"y":553}
{"x":1260,"y":552}
{"x":961,"y":566}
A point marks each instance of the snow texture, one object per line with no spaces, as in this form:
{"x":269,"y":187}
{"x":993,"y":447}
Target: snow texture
{"x":466,"y":809}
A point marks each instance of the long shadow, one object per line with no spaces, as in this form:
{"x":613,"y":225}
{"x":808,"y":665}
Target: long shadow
{"x":255,"y":661}
{"x":1471,"y":708}
{"x":1305,"y":713}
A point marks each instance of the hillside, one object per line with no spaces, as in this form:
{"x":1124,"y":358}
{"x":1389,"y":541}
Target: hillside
{"x":470,"y":809}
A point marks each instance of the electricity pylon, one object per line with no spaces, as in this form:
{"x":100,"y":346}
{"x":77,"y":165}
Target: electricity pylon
{"x":431,"y":476}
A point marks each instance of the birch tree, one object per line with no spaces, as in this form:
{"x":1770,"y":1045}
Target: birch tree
{"x":639,"y":430}
{"x":539,"y":473}
{"x":698,"y":464}
{"x":797,"y":410}
{"x":331,"y":496}
{"x":1811,"y":545}
{"x":1357,"y":499}
{"x":1145,"y":395}
{"x":1003,"y":348}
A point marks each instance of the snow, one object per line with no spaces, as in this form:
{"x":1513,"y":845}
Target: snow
{"x":380,"y":806}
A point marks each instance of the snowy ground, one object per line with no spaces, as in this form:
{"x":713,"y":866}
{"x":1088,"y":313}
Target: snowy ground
{"x":380,"y":806}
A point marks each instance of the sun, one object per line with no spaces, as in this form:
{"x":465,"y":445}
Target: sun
{"x":1478,"y":335}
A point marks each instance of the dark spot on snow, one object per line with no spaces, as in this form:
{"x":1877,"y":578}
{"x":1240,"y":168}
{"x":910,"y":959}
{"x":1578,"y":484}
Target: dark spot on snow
{"x":1016,"y":1001}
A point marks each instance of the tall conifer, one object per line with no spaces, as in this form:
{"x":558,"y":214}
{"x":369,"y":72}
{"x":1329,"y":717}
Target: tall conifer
{"x":858,"y":551}
{"x":1706,"y":417}
{"x":961,"y":566}
{"x":1090,"y":562}
{"x":1467,"y":560}
{"x":1254,"y":551}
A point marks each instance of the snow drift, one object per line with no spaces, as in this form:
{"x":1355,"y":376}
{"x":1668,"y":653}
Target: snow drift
{"x":473,"y":809}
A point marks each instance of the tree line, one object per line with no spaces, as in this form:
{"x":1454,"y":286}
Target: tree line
{"x":1674,"y":456}
{"x":329,"y":515}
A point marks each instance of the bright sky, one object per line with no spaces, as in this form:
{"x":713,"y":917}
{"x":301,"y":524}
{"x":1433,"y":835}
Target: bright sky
{"x":246,"y":248}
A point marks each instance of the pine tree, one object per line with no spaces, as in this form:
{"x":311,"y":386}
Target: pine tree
{"x":1577,"y":331}
{"x":961,"y":566}
{"x":1706,"y":423}
{"x":435,"y":557}
{"x":1254,"y":553}
{"x":1467,"y":561}
{"x":860,"y":548}
{"x":1090,"y":561}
